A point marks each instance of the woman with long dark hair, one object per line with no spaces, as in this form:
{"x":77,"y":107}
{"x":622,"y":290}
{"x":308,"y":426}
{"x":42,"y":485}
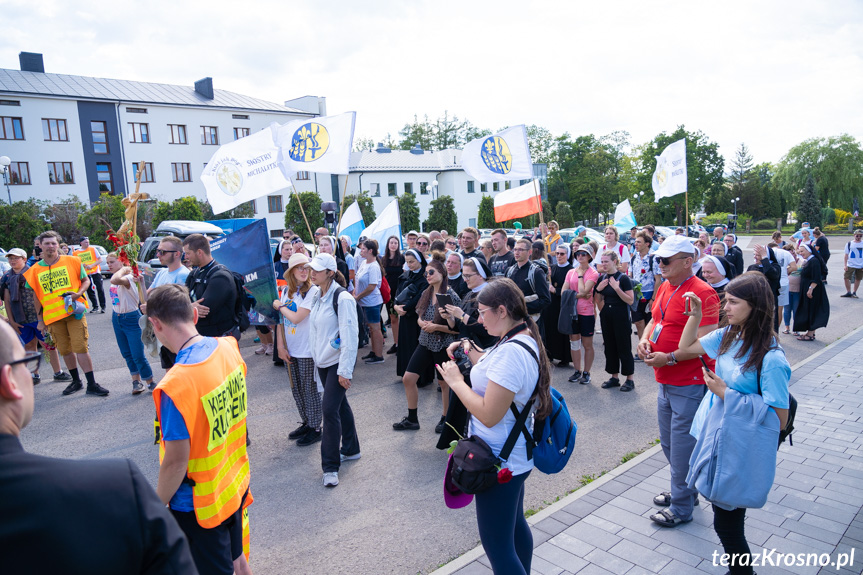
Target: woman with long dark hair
{"x":813,"y":309}
{"x":507,"y":373}
{"x":412,"y":284}
{"x":368,"y":293}
{"x":434,"y":337}
{"x":557,"y":344}
{"x":744,"y":344}
{"x":393,"y":262}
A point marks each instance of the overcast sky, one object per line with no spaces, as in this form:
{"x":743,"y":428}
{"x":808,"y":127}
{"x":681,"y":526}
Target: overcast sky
{"x":767,"y":73}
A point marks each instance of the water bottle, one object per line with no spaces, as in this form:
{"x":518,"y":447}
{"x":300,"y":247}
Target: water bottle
{"x":336,"y":343}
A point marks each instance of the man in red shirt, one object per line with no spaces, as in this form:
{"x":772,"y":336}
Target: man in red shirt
{"x":681,"y":383}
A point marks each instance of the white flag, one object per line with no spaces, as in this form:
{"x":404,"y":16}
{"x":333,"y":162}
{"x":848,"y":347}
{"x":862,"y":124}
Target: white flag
{"x":388,"y":224}
{"x":351,"y":223}
{"x":624,"y":218}
{"x":500,"y":157}
{"x":669,"y":179}
{"x":316,"y":145}
{"x":243,"y":170}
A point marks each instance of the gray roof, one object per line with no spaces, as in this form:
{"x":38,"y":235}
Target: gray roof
{"x":127,"y":91}
{"x":405,"y":161}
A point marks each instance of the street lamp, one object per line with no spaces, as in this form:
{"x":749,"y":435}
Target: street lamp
{"x":640,"y":195}
{"x":5,"y":162}
{"x":434,"y":189}
{"x":734,"y":201}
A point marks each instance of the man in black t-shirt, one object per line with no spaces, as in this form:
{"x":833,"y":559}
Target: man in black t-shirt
{"x":503,"y":257}
{"x":469,"y":239}
{"x":212,"y":289}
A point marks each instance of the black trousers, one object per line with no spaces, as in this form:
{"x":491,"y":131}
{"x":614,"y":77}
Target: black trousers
{"x":617,"y":338}
{"x":729,"y":527}
{"x":95,"y":291}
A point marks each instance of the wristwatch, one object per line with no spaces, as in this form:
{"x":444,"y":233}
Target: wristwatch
{"x":672,"y":361}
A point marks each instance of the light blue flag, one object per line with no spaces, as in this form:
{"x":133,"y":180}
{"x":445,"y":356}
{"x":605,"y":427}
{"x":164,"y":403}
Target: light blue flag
{"x":624,"y":218}
{"x":352,"y":224}
{"x":388,"y":224}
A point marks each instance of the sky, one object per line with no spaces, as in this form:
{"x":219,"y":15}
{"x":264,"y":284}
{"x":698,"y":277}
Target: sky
{"x":768,"y":73}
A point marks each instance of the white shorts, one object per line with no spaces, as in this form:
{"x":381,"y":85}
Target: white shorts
{"x":783,"y":295}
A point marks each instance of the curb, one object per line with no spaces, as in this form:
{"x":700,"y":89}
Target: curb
{"x":477,"y":552}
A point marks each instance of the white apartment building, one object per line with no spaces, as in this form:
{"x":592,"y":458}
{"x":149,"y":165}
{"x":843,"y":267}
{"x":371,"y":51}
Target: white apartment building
{"x":386,"y":174}
{"x":76,"y":135}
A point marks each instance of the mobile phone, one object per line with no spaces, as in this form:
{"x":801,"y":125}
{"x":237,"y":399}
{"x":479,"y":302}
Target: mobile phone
{"x":443,"y":300}
{"x":704,"y":363}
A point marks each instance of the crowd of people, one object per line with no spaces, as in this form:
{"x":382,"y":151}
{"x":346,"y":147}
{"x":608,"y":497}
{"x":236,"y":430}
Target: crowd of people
{"x":440,"y":295}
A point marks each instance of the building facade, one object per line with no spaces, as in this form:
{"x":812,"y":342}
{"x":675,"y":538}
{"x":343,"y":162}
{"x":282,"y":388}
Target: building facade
{"x":81,"y":136}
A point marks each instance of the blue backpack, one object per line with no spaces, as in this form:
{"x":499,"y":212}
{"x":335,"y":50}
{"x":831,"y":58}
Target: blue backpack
{"x":553,"y":437}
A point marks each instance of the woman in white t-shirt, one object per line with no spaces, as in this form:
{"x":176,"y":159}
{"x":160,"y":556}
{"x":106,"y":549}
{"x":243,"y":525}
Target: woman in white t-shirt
{"x":507,"y":373}
{"x":292,"y":341}
{"x":368,"y":293}
{"x":123,"y":294}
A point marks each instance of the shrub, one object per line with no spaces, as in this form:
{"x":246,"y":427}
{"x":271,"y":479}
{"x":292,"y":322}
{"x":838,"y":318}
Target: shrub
{"x":828,"y":216}
{"x":842,"y":217}
{"x":765,"y":225}
{"x":835,"y":228}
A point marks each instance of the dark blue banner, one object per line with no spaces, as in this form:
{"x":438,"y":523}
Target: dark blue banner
{"x":247,"y":252}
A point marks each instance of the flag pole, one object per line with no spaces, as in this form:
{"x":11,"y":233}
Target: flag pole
{"x":539,"y":202}
{"x":687,"y":212}
{"x":302,"y":211}
{"x":342,"y":203}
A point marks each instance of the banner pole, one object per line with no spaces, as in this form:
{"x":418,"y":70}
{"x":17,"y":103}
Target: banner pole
{"x":687,"y":212}
{"x":302,"y":211}
{"x":539,"y":202}
{"x":342,"y":203}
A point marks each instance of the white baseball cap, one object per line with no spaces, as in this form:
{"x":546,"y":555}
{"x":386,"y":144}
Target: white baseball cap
{"x":675,"y":245}
{"x":17,"y":252}
{"x":322,"y":262}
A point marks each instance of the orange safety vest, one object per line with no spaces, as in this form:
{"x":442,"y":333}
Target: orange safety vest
{"x":211,"y":397}
{"x":50,"y":283}
{"x":88,"y":257}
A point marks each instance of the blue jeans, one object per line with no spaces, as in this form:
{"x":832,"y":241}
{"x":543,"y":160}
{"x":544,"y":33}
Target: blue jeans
{"x":128,"y":334}
{"x":793,"y":300}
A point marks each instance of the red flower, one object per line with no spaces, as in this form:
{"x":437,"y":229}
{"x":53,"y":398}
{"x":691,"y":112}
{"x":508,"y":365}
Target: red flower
{"x":504,"y":475}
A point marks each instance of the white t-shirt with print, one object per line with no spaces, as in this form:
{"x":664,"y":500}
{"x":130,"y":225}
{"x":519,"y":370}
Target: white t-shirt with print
{"x":511,"y":367}
{"x":297,"y":335}
{"x":124,"y":300}
{"x":855,"y":254}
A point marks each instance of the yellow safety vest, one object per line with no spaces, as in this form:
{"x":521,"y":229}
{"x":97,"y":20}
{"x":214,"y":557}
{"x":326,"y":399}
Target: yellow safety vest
{"x":49,"y":283}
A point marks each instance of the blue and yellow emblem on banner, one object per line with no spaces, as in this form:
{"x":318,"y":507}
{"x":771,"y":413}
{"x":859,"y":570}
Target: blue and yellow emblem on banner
{"x":496,"y":155}
{"x":309,"y":142}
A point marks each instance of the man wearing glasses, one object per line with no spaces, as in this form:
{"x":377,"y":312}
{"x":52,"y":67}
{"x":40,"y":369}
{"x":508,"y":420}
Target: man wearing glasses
{"x":853,"y":264}
{"x":679,"y":374}
{"x":51,"y":279}
{"x":46,"y":499}
{"x":530,"y":279}
{"x":170,"y":254}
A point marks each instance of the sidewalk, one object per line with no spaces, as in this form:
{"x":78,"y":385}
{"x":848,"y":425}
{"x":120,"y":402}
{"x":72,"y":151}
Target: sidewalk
{"x":816,"y":505}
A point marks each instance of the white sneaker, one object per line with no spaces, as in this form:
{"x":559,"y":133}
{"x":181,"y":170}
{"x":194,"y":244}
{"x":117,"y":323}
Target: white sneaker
{"x":261,"y":350}
{"x":354,"y":457}
{"x":269,"y":349}
{"x":331,"y":478}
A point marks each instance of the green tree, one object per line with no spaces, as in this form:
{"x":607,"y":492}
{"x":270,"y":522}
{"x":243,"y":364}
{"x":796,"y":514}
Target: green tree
{"x":108,"y":209}
{"x":563,"y":215}
{"x":20,"y":223}
{"x":63,"y":215}
{"x":704,"y":171}
{"x":809,"y":209}
{"x":547,"y":213}
{"x":367,"y":206}
{"x":835,"y":163}
{"x":409,"y":212}
{"x":244,"y":210}
{"x":418,"y":132}
{"x":485,"y":213}
{"x":163,"y":211}
{"x":294,"y":216}
{"x":540,"y":141}
{"x":187,"y":208}
{"x":442,"y":215}
{"x":363,"y":144}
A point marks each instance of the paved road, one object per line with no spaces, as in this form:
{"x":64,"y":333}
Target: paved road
{"x":387,"y":516}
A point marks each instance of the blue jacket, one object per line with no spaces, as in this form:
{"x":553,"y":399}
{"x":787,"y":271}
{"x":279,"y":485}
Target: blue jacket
{"x":734,"y":461}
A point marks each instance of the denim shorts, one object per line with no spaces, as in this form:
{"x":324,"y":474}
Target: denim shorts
{"x":373,"y":314}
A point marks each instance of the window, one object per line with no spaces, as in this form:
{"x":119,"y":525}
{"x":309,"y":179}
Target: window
{"x":147,"y":175}
{"x":209,"y":135}
{"x":19,"y":173}
{"x":470,"y":188}
{"x":375,"y":190}
{"x":495,"y":187}
{"x":178,"y":134}
{"x":523,"y":182}
{"x":302,"y":175}
{"x":242,"y":117}
{"x":507,"y":185}
{"x":136,"y":110}
{"x":60,"y":173}
{"x":391,"y":190}
{"x":254,"y":204}
{"x":274,"y":204}
{"x":471,"y":222}
{"x":100,"y":137}
{"x":103,"y":174}
{"x":241,"y":132}
{"x":424,"y":188}
{"x":276,"y":234}
{"x":10,"y":102}
{"x":483,"y":188}
{"x":182,"y":172}
{"x":140,"y":133}
{"x":409,"y":187}
{"x":54,"y":130}
{"x":11,"y":128}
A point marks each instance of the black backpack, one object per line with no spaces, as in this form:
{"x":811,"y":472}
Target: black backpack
{"x":786,"y":431}
{"x":243,"y":303}
{"x":362,"y":334}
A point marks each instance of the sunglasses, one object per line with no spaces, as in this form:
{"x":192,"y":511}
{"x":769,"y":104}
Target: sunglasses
{"x":163,"y":252}
{"x":667,"y":261}
{"x":31,"y":360}
{"x":430,"y":273}
{"x":422,"y":243}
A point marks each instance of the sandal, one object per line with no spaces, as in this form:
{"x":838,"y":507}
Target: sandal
{"x":805,"y":337}
{"x":666,"y":518}
{"x":786,"y":331}
{"x":664,"y":499}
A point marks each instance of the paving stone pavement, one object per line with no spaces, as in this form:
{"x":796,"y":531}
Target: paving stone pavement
{"x":815,"y":506}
